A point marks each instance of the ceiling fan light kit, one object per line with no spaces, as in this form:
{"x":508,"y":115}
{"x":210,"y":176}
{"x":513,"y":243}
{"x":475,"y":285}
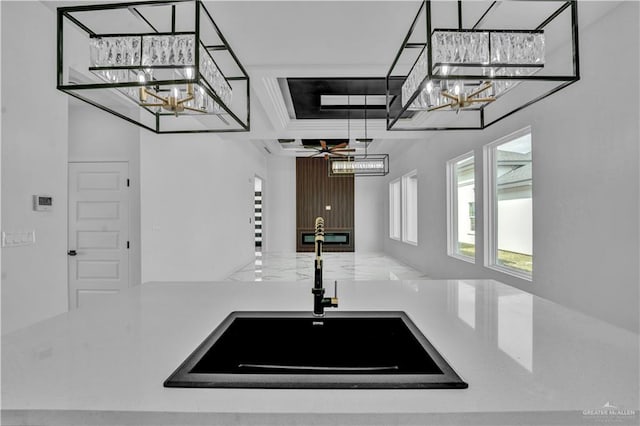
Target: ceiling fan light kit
{"x":468,"y":64}
{"x":163,"y":65}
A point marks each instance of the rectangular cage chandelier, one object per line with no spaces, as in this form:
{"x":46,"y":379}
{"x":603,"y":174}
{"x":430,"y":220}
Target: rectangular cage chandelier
{"x":465,"y":65}
{"x":163,"y":65}
{"x":359,"y":165}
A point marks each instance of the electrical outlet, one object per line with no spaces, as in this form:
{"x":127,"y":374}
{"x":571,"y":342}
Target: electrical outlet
{"x":18,"y":238}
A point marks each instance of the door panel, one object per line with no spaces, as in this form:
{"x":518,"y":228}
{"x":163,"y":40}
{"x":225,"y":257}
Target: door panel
{"x":98,"y":231}
{"x":90,"y":298}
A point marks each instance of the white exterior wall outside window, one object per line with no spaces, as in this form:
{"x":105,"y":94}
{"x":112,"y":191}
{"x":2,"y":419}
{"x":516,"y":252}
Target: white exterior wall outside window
{"x":410,"y":208}
{"x":509,"y":204}
{"x":395,"y":210}
{"x":461,"y":238}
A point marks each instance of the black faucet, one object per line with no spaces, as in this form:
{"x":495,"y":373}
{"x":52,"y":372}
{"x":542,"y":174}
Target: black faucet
{"x":319,"y":301}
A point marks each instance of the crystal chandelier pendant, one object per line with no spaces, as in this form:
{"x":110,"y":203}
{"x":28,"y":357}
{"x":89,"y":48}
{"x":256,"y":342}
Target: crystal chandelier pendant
{"x":512,"y":54}
{"x":148,"y":77}
{"x":161,"y":50}
{"x":494,"y":63}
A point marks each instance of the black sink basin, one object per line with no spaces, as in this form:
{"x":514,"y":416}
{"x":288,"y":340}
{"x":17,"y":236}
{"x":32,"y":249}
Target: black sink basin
{"x":297,"y":350}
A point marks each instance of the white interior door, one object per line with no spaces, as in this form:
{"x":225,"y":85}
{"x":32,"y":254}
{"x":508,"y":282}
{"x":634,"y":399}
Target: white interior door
{"x":98,"y":231}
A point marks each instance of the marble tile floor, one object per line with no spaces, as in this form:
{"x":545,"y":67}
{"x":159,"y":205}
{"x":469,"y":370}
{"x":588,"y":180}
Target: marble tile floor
{"x":338,"y":266}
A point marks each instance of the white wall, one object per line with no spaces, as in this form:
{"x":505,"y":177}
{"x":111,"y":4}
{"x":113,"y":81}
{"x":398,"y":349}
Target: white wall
{"x":34,"y":156}
{"x":280,"y":205}
{"x":585,"y":182}
{"x":95,"y":135}
{"x":196,"y":205}
{"x":370,"y":227}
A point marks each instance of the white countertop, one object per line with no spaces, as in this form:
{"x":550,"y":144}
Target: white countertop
{"x":521,"y":355}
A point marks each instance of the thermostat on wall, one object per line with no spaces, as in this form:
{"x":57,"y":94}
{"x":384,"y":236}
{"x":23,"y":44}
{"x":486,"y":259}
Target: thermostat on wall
{"x":42,"y":203}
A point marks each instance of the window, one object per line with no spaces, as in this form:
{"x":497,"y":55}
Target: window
{"x":394,"y":210}
{"x":410,"y":208}
{"x":461,"y":208}
{"x":509,"y":204}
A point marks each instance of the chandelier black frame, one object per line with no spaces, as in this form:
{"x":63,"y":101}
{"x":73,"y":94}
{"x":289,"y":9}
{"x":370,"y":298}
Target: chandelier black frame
{"x":170,"y":99}
{"x":464,"y":115}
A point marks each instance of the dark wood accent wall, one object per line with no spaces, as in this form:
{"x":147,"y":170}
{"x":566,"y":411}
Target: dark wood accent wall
{"x":314,"y":191}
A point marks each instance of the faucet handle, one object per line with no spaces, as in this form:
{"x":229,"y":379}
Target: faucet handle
{"x":334,"y":299}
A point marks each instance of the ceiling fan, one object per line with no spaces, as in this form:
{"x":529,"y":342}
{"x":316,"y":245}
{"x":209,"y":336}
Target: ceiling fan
{"x":331,"y":151}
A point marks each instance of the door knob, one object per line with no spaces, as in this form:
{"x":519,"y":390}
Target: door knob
{"x":72,"y":253}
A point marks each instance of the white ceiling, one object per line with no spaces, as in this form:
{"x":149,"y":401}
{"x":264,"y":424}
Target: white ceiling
{"x":314,"y":32}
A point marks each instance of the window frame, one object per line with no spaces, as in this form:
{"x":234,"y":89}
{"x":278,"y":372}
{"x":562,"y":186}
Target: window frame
{"x":452,"y":206}
{"x":395,"y":188}
{"x":405,"y":210}
{"x":491,"y":205}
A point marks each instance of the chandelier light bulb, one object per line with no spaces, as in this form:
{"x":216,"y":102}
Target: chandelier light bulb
{"x":456,"y":89}
{"x":142,"y":92}
{"x":188,"y":72}
{"x":429,"y":86}
{"x":445,"y":69}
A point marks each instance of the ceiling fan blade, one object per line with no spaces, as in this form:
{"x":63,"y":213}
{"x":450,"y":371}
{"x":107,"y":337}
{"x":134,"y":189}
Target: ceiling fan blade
{"x":341,"y":145}
{"x":323,"y":144}
{"x":343,"y":150}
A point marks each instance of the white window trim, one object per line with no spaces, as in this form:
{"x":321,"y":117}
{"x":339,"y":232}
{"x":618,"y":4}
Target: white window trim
{"x":391,"y":208}
{"x":452,"y":207}
{"x":491,"y":207}
{"x":404,"y":209}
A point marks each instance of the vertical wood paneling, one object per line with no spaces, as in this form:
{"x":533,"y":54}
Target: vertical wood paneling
{"x":314,"y":191}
